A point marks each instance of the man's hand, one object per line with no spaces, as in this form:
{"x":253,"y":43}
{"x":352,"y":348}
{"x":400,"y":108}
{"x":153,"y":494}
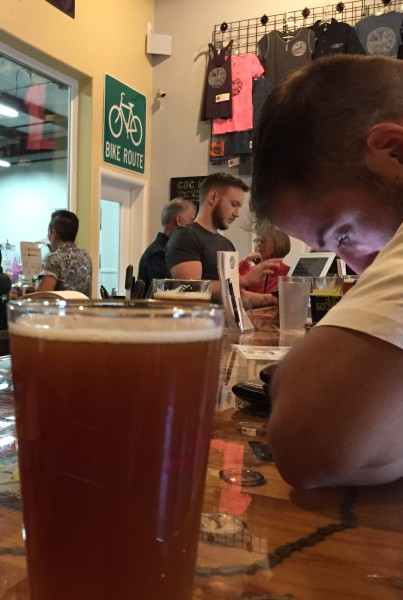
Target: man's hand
{"x":337,"y":413}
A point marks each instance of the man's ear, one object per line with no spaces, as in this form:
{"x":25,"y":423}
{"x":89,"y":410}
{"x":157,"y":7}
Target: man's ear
{"x":212,"y":197}
{"x":384,"y":150}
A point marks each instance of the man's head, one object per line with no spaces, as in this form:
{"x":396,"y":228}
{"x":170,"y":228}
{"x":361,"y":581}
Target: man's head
{"x":329,"y":155}
{"x":63,"y":227}
{"x":221,"y":197}
{"x":176,"y":213}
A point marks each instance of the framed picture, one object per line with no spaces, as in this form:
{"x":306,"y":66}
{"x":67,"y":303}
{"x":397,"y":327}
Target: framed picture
{"x":67,"y":6}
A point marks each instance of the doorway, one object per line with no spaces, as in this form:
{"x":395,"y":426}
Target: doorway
{"x":123,"y":228}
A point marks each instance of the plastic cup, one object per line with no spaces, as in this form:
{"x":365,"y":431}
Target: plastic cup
{"x":293,"y":297}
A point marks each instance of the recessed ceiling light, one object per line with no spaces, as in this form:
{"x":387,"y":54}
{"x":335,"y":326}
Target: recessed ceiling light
{"x":4,"y":163}
{"x":7,"y":111}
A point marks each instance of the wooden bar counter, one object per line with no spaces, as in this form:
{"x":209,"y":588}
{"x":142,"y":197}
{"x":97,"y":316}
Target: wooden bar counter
{"x":264,"y":541}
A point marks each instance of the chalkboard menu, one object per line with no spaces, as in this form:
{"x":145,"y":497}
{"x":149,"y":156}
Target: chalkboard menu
{"x":186,"y":187}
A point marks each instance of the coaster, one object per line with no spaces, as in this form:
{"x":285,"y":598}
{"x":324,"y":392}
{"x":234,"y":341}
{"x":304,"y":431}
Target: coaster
{"x":221,"y":523}
{"x":243,"y":477}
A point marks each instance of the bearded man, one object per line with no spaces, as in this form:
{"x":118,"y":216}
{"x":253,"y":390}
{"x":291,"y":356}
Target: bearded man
{"x":191,"y":251}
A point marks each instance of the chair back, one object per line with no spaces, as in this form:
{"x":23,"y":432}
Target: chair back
{"x":104,"y":293}
{"x":138,"y":290}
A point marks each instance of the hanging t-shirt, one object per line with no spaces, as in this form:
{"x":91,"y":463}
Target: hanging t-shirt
{"x":380,"y":34}
{"x":335,"y":38}
{"x":282,"y":53}
{"x":241,"y":142}
{"x":35,"y":102}
{"x":245,"y":67}
{"x":217,"y":101}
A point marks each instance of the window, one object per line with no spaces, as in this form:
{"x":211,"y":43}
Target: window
{"x":34,"y":154}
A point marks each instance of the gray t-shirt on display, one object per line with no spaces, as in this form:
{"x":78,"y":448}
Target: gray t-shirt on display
{"x":380,"y":34}
{"x":283,"y":53}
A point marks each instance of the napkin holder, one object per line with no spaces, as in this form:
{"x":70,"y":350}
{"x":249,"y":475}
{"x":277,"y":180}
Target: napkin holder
{"x":236,"y":317}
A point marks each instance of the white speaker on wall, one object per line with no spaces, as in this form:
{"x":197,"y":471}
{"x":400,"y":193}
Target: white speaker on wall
{"x":159,"y":43}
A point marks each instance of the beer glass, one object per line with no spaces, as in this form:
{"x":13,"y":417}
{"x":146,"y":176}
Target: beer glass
{"x":114,"y":406}
{"x":182,"y":290}
{"x":325,"y":293}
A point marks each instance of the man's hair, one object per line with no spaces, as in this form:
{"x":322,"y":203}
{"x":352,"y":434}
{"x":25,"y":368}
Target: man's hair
{"x":65,"y":223}
{"x":312,"y":131}
{"x":281,"y":241}
{"x":174,"y":208}
{"x":220,"y":181}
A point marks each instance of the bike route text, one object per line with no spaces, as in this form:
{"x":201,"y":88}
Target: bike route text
{"x":127,"y":157}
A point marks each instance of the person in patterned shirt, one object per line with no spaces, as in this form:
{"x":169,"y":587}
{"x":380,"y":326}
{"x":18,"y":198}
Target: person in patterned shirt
{"x":66,"y":267}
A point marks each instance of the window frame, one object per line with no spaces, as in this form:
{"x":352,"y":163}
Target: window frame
{"x":48,"y":71}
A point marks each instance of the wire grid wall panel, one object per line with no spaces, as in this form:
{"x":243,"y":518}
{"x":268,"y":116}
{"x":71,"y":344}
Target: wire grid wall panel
{"x":246,"y":33}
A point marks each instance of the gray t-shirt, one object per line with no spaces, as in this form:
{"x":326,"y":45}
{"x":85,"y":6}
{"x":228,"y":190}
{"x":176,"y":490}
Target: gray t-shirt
{"x":380,"y":34}
{"x":194,"y":243}
{"x":282,"y":53}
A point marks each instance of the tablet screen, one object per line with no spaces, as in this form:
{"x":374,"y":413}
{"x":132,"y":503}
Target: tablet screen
{"x":315,"y":264}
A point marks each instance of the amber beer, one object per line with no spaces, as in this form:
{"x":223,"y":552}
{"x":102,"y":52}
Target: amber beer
{"x":114,"y":416}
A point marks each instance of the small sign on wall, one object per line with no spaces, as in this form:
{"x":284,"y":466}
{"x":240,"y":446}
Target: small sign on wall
{"x":31,"y":258}
{"x":186,"y":187}
{"x":124,"y":126}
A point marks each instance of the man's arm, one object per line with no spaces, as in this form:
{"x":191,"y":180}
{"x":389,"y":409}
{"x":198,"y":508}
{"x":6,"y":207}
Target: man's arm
{"x":192,"y":269}
{"x":337,"y":410}
{"x":45,"y":283}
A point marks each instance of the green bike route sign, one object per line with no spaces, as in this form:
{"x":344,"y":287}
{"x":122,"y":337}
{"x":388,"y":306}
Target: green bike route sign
{"x":124,"y":126}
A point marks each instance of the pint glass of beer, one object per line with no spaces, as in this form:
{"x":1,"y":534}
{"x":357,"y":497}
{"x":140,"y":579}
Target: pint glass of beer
{"x":325,"y":293}
{"x":114,"y":407}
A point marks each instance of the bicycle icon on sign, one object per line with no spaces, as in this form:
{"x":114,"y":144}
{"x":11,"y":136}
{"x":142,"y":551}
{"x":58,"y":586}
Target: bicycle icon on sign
{"x":131,"y":122}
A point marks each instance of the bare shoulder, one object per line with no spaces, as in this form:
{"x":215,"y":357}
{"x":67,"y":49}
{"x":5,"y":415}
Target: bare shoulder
{"x":338,"y":410}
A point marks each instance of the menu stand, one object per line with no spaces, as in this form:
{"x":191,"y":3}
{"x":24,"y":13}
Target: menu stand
{"x":237,"y":318}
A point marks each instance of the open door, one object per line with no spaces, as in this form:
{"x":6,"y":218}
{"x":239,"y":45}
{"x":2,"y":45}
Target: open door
{"x":123,"y":228}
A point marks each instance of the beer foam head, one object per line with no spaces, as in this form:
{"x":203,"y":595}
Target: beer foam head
{"x":328,"y":291}
{"x":144,"y":329}
{"x":178,"y":295}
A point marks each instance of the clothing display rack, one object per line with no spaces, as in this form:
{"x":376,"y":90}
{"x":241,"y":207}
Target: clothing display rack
{"x":246,"y":33}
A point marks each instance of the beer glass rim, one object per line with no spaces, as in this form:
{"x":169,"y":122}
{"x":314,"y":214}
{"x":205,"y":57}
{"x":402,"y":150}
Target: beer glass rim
{"x":294,"y":278}
{"x":180,"y":279}
{"x":128,"y":308}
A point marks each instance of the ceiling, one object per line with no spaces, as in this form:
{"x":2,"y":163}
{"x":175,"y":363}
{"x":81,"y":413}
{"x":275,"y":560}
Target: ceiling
{"x":40,"y":131}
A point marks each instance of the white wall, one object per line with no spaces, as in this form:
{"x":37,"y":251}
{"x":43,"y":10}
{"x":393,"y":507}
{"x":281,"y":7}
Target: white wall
{"x":180,"y":141}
